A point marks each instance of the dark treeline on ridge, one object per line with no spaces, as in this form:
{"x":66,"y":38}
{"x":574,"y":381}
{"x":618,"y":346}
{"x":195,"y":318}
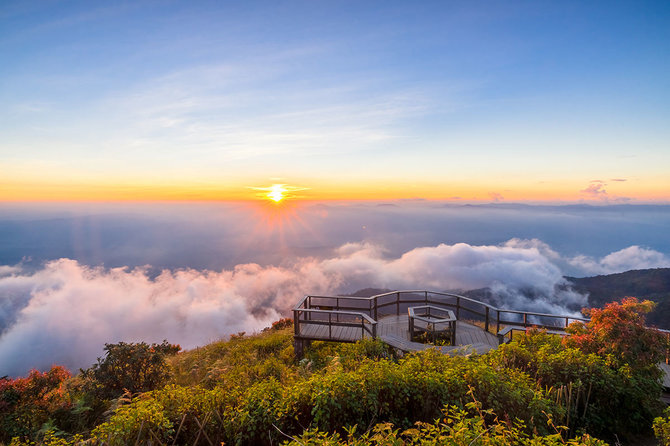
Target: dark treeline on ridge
{"x":651,"y":284}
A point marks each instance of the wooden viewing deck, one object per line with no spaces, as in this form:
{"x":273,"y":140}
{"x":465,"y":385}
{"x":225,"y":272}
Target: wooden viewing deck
{"x":479,"y":327}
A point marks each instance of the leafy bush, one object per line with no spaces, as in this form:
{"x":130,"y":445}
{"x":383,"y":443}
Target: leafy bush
{"x":26,"y":404}
{"x":414,"y":389}
{"x":251,"y":390}
{"x":618,"y":332}
{"x":662,"y":428}
{"x":142,"y":421}
{"x":455,"y":428}
{"x":592,"y":394}
{"x":130,"y":367}
{"x":281,"y":324}
{"x":49,"y":438}
{"x":349,"y":355}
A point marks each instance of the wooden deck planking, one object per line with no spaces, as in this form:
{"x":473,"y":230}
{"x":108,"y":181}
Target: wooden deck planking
{"x":665,"y":368}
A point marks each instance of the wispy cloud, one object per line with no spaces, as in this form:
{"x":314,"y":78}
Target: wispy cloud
{"x":257,"y":107}
{"x":596,"y":191}
{"x":496,"y":197}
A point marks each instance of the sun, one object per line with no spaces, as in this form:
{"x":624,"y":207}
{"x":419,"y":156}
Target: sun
{"x":277,"y":192}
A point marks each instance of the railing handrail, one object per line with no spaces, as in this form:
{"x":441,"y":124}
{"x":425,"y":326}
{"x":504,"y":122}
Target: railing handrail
{"x":301,"y":302}
{"x":339,"y":297}
{"x":439,"y":293}
{"x":574,"y":318}
{"x":351,"y":313}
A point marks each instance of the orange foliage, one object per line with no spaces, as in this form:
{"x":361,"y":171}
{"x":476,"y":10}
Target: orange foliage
{"x":27,"y":403}
{"x":618,"y":332}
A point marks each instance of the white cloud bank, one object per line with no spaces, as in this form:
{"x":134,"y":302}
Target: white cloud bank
{"x":65,"y":312}
{"x":633,"y":257}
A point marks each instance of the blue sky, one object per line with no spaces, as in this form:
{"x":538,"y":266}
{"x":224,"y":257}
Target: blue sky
{"x":521,"y":100}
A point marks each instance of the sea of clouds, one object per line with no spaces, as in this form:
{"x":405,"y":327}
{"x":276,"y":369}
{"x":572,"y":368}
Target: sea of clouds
{"x":65,"y":311}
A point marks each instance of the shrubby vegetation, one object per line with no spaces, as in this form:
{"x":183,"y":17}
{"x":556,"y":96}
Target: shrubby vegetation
{"x":27,"y":404}
{"x":538,"y":390}
{"x":662,"y":428}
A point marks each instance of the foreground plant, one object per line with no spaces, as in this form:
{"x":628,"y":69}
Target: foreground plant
{"x":455,"y":428}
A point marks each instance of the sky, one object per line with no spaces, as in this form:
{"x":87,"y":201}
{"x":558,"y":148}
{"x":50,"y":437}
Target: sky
{"x":461,"y":101}
{"x":189,"y":170}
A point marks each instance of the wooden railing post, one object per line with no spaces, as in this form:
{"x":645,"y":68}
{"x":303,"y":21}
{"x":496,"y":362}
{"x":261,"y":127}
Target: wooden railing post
{"x":425,"y":298}
{"x":525,"y":320}
{"x":458,"y":306}
{"x":486,"y":323}
{"x":296,"y":322}
{"x":397,"y":304}
{"x":376,"y":308}
{"x":330,"y":326}
{"x":497,"y":321}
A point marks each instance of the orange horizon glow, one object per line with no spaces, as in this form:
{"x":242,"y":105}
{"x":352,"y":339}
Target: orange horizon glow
{"x":323,"y":191}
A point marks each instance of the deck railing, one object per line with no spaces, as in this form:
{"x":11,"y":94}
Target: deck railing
{"x":331,"y":311}
{"x":364,"y":312}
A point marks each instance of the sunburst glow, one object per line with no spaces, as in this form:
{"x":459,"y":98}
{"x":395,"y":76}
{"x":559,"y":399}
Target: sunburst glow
{"x":277,"y":192}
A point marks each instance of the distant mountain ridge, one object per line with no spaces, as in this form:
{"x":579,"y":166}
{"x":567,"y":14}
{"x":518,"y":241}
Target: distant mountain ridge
{"x":652,"y":284}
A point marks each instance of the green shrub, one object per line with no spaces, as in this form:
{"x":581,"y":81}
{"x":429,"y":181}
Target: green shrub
{"x":455,"y":428}
{"x":592,"y":393}
{"x":414,"y":389}
{"x":130,"y":367}
{"x":662,"y":428}
{"x":144,"y":420}
{"x":251,"y":420}
{"x":250,"y":390}
{"x":349,"y":355}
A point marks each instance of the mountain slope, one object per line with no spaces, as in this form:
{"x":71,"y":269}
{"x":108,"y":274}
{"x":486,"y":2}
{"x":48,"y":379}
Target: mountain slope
{"x":652,"y":284}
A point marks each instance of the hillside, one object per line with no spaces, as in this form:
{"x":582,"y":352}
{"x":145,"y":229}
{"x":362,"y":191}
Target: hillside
{"x":651,"y":284}
{"x":252,"y":390}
